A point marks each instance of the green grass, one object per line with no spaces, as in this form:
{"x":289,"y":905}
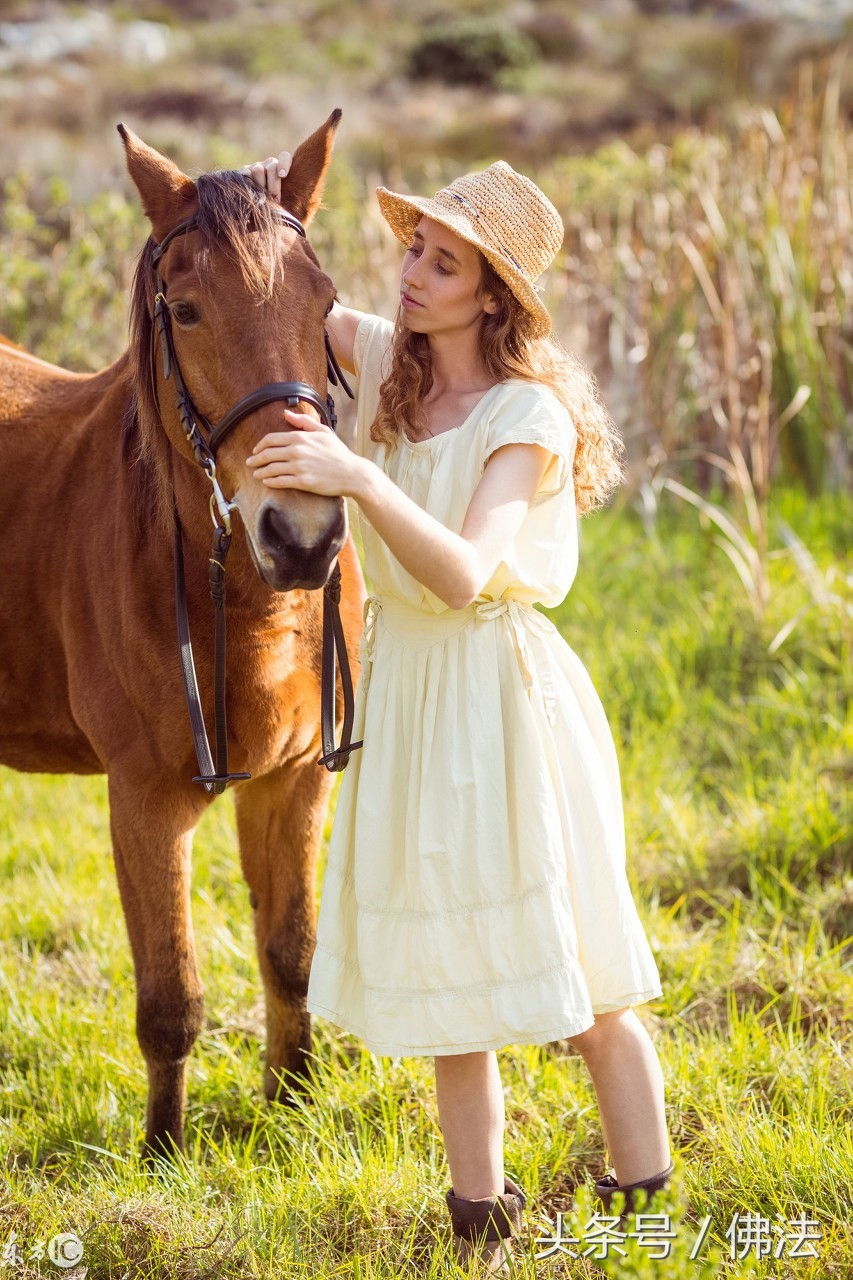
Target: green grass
{"x":736,"y":772}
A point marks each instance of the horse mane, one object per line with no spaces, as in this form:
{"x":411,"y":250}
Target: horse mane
{"x":235,"y":218}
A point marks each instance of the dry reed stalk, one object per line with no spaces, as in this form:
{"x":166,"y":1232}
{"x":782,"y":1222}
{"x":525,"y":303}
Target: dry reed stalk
{"x":693,"y":361}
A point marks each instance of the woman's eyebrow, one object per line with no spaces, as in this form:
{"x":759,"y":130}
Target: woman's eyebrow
{"x":452,"y":256}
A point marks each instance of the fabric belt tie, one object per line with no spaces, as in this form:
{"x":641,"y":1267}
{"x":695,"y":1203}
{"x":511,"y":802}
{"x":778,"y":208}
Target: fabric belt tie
{"x":489,"y":609}
{"x":521,"y":618}
{"x":370,"y":612}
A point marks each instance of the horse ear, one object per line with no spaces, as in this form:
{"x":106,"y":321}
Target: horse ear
{"x":302,"y":189}
{"x":167,"y":193}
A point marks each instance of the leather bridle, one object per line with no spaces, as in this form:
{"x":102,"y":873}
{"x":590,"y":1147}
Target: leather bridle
{"x":215,"y":779}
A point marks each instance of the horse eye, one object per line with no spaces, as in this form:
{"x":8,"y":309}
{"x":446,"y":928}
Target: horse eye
{"x":186,"y":314}
{"x":329,"y":307}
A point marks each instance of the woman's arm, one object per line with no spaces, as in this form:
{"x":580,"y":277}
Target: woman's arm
{"x":342,"y":322}
{"x":454,"y":566}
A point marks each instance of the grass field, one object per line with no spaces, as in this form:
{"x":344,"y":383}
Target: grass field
{"x":736,"y":768}
{"x":707,"y":277}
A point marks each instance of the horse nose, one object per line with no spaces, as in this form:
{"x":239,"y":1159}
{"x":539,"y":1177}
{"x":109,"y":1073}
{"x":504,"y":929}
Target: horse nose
{"x":277,"y":532}
{"x":281,"y":536}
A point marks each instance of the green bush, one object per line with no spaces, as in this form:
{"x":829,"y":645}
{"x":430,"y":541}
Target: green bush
{"x":473,"y":51}
{"x":65,"y":272}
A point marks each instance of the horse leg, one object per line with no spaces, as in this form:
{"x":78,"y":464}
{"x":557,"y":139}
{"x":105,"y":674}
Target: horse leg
{"x":280,"y":823}
{"x":152,"y":844}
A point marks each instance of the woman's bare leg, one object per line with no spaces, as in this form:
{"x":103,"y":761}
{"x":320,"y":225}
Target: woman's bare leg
{"x":629,"y":1086}
{"x":471,"y":1114}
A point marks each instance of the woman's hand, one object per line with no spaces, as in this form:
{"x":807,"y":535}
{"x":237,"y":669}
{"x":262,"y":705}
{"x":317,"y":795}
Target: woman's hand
{"x":311,"y":457}
{"x":267,"y":174}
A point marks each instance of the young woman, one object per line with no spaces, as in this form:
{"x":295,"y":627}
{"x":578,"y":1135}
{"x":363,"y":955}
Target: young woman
{"x":476,"y":893}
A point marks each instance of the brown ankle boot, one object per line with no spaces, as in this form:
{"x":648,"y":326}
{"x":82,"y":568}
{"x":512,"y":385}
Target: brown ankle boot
{"x":606,"y":1188}
{"x":483,"y":1229}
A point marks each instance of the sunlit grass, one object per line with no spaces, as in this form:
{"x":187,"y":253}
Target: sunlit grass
{"x":736,"y":785}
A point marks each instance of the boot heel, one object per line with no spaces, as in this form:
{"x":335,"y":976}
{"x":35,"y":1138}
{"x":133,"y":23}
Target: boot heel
{"x":483,"y":1229}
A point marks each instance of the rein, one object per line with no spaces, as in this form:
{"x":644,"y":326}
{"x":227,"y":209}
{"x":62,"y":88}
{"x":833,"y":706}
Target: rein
{"x":216,"y":778}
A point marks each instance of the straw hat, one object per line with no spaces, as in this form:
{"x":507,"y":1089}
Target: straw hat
{"x":500,"y":212}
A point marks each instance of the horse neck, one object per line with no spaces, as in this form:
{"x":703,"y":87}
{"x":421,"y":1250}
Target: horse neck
{"x":167,"y":483}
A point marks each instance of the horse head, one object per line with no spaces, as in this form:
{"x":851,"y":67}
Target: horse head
{"x":246,"y":300}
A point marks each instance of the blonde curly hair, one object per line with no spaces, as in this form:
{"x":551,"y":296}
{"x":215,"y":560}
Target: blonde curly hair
{"x":509,"y":350}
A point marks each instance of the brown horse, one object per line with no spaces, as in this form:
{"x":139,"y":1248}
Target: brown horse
{"x":90,"y":680}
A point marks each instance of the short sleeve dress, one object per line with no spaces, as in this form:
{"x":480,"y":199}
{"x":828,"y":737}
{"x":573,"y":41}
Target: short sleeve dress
{"x":475,"y":894}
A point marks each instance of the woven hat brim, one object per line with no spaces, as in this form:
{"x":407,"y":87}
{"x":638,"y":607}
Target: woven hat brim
{"x":403,"y":213}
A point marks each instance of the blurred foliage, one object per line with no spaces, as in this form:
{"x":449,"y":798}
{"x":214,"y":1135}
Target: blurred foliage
{"x":575,"y":75}
{"x":65,"y":272}
{"x":471,"y":50}
{"x":705,"y":283}
{"x":554,"y":31}
{"x":715,"y":279}
{"x":254,"y":50}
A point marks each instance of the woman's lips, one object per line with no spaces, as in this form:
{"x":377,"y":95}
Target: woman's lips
{"x":406,"y":301}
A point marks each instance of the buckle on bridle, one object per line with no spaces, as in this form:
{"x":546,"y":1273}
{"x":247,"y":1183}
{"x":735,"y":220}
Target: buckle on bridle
{"x":218,"y":499}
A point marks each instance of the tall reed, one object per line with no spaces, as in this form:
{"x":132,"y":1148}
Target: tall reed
{"x":713,"y":282}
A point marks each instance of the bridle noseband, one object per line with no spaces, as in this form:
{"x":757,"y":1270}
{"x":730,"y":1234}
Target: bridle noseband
{"x":204,"y":447}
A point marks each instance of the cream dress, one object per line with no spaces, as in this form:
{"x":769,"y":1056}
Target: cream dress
{"x":475,"y":894}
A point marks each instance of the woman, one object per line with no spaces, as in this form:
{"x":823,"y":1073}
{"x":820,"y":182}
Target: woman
{"x":476,"y":893}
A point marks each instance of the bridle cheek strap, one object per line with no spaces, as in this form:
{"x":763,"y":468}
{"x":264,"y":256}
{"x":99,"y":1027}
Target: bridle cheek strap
{"x":216,"y":778}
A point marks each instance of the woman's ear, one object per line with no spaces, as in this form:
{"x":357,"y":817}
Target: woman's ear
{"x":491,"y":288}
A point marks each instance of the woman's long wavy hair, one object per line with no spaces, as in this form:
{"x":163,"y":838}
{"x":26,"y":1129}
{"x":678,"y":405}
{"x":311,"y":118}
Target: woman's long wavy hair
{"x":509,"y":351}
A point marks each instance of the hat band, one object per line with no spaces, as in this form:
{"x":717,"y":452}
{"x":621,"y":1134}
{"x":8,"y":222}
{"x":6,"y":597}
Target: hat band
{"x":466,"y":204}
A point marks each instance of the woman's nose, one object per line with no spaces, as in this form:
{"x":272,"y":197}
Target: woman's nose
{"x":411,"y":275}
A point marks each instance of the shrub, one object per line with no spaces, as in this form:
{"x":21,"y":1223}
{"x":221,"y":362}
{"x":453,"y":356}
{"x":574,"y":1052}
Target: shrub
{"x":65,"y":272}
{"x":473,"y":51}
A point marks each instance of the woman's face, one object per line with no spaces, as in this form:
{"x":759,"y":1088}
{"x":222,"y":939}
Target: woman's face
{"x":441,"y":281}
